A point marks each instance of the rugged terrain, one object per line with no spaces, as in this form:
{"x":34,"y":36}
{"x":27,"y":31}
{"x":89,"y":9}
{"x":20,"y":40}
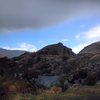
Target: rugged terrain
{"x":54,"y":60}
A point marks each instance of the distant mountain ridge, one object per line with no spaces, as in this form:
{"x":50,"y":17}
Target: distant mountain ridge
{"x":10,"y":53}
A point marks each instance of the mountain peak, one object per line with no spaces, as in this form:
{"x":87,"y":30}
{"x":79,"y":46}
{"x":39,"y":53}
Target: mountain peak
{"x":56,"y":49}
{"x":60,"y":43}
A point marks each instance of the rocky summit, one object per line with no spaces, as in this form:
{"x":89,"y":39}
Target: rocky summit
{"x":57,"y":49}
{"x":55,"y":60}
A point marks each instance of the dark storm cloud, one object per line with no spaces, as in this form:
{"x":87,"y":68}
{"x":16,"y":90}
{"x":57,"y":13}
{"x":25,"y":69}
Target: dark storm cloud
{"x":20,"y":14}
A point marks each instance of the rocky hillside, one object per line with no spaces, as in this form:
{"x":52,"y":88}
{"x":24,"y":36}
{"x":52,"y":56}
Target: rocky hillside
{"x":55,"y":60}
{"x":86,"y":64}
{"x":56,"y":49}
{"x":51,"y":60}
{"x":93,"y":48}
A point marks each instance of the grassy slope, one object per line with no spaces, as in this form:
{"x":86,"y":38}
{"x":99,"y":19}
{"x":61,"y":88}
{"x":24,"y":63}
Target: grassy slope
{"x":83,"y":93}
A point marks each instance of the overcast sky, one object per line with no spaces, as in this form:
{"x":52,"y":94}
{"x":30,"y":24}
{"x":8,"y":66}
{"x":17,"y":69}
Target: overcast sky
{"x":32,"y":24}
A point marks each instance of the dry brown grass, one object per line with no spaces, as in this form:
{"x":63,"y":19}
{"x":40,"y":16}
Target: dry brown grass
{"x":74,"y":93}
{"x":56,"y":89}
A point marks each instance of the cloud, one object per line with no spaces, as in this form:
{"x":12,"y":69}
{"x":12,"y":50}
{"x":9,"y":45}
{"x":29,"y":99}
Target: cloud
{"x":93,"y":33}
{"x":64,"y":40}
{"x":21,"y":14}
{"x":87,"y":37}
{"x":22,"y":46}
{"x":79,"y":47}
{"x":77,"y":37}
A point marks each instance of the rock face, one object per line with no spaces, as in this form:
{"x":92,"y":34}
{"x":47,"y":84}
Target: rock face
{"x":93,"y":48}
{"x":10,"y":53}
{"x":56,"y":49}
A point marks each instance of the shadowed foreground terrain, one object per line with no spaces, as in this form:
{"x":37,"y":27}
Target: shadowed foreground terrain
{"x":82,"y":93}
{"x":75,"y":93}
